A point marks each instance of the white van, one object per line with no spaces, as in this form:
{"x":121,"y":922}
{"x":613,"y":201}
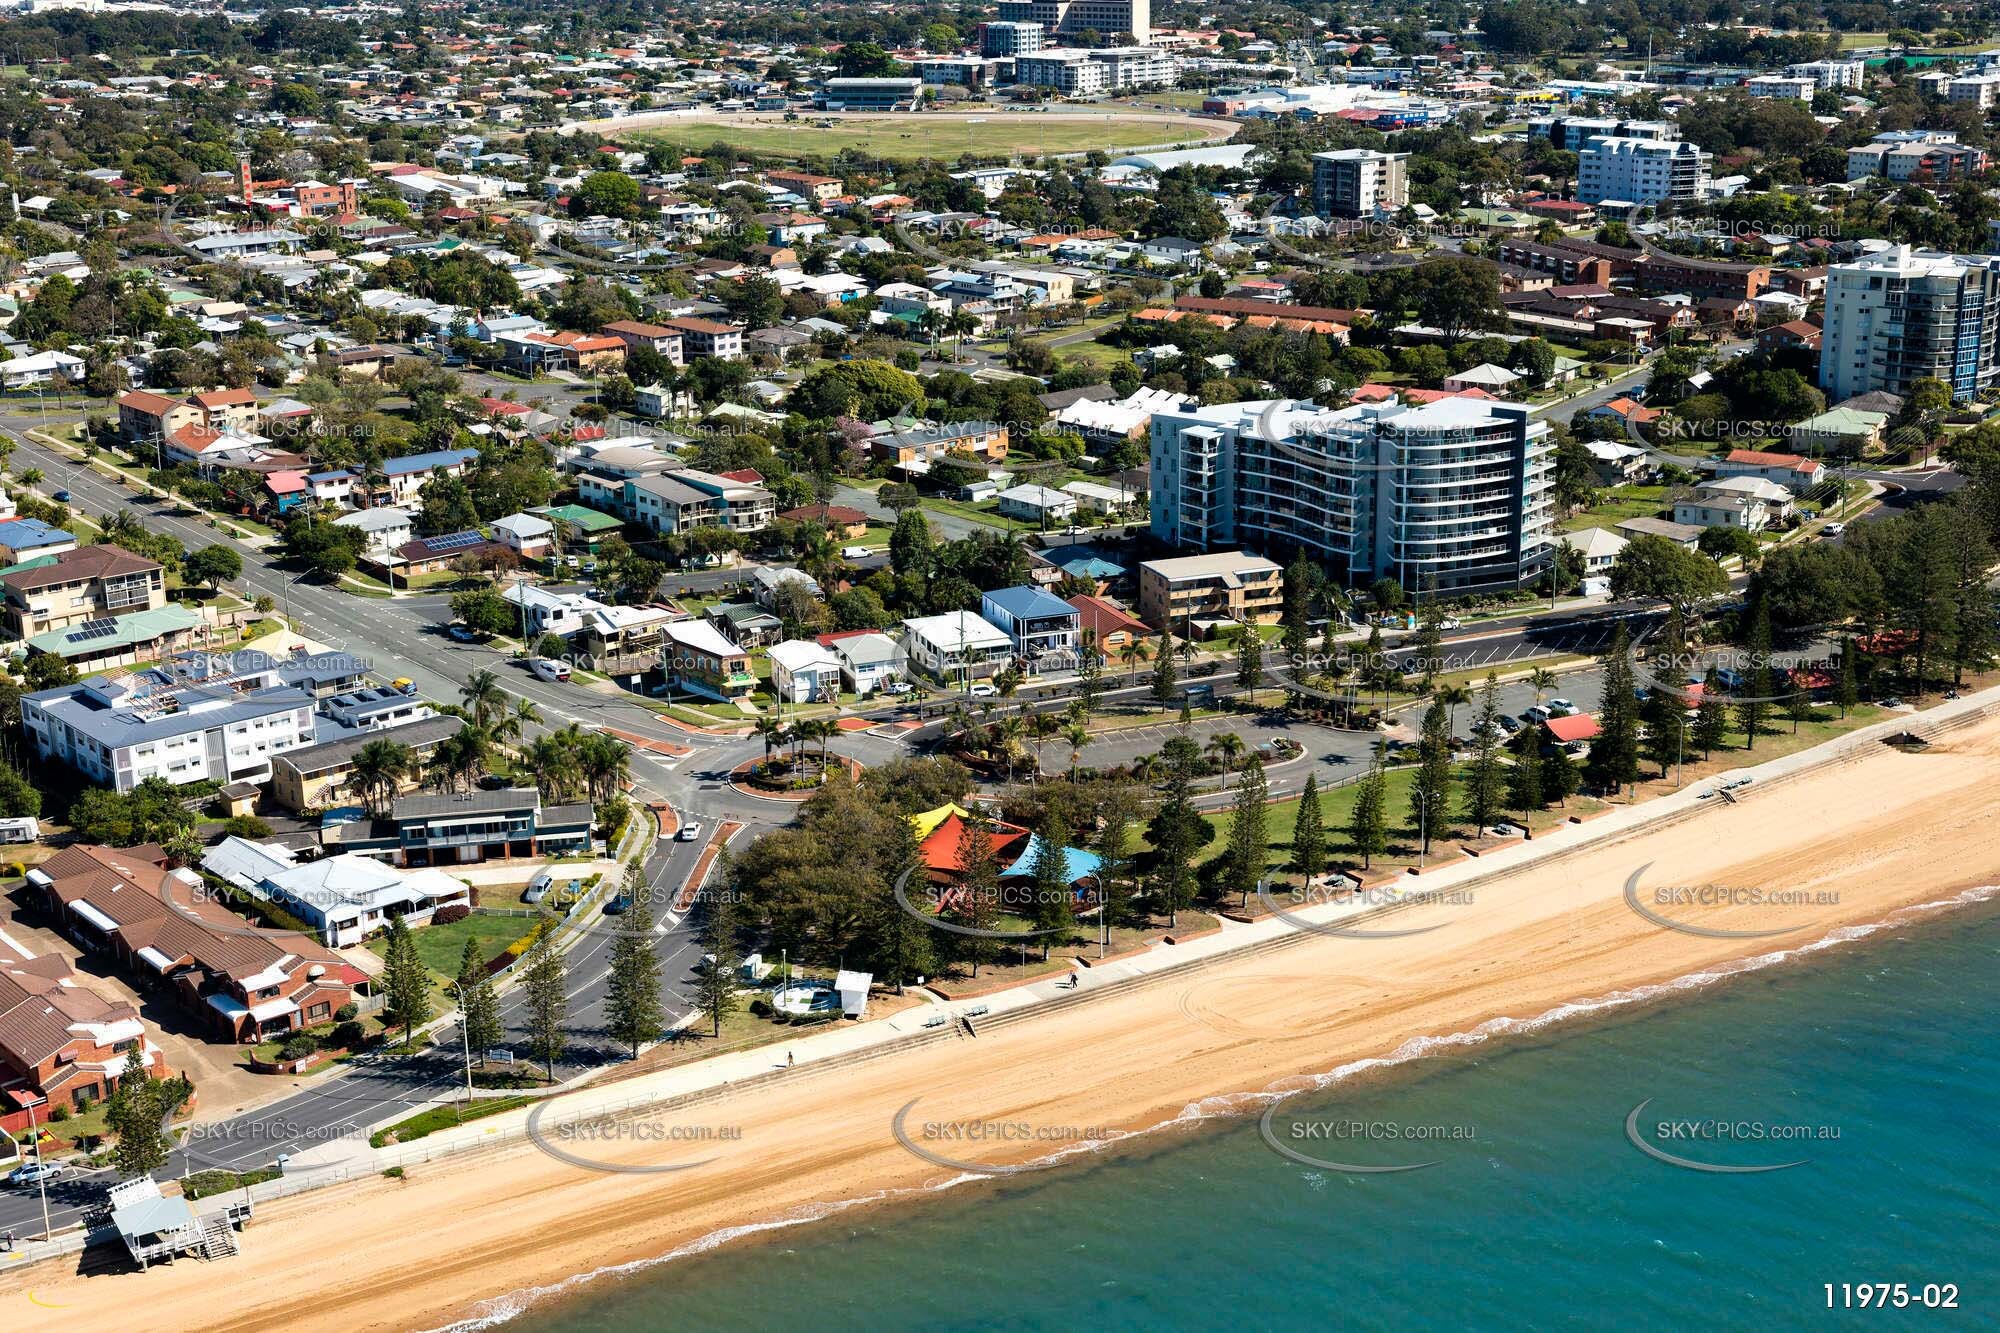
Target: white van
{"x":854,"y":553}
{"x":547,"y":668}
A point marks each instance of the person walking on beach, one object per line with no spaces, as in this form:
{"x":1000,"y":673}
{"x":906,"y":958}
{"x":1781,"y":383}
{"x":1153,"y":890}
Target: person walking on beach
{"x":788,"y":1059}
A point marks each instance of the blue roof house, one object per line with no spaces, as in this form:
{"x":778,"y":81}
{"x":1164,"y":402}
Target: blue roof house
{"x":1043,"y":627}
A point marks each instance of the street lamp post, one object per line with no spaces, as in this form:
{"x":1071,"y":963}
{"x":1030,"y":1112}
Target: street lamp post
{"x":465,"y":1039}
{"x":42,"y":1181}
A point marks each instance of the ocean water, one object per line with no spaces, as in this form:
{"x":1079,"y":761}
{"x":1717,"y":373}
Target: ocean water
{"x":1539,"y":1212}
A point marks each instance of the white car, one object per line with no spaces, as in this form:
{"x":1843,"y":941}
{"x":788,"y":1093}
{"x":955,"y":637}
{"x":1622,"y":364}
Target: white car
{"x":983,"y":690}
{"x":898,"y":687}
{"x":1561,"y":708}
{"x":547,"y":668}
{"x":690,"y":831}
{"x":1451,"y":622}
{"x":35,"y":1173}
{"x":1833,"y":530}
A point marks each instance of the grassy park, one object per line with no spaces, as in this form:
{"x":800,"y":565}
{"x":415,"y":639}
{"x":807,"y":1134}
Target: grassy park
{"x":992,"y":133}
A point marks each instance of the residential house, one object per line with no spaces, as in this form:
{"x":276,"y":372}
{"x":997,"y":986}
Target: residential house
{"x":78,"y":586}
{"x":1043,"y":628}
{"x":841,"y":521}
{"x":247,"y":983}
{"x":529,"y":536}
{"x":957,"y":646}
{"x":26,"y":539}
{"x":1105,"y":626}
{"x":804,"y":671}
{"x":700,"y":660}
{"x":1841,"y":432}
{"x":655,"y":337}
{"x":321,"y":774}
{"x":462,"y":828}
{"x":1036,"y":504}
{"x":404,"y":478}
{"x":869,"y":659}
{"x":1796,"y":474}
{"x":345,"y":898}
{"x":1596,"y":548}
{"x":705,"y":337}
{"x":383,"y":529}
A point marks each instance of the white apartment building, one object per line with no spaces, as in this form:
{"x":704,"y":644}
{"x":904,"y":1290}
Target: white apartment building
{"x":1069,"y":17}
{"x":1079,"y":72}
{"x":1359,"y":182}
{"x":186,"y":720}
{"x":1796,"y":87}
{"x":1902,"y":315}
{"x":1646,"y":172}
{"x":1009,"y":39}
{"x":1453,"y":495}
{"x":1832,"y":73}
{"x":1573,"y":132}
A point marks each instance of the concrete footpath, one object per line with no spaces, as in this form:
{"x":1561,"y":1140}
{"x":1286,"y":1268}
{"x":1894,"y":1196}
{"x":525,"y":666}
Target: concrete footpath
{"x":845,"y":1044}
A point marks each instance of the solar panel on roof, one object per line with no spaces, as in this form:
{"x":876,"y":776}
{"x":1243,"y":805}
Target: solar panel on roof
{"x":455,"y":541}
{"x":93,"y":629}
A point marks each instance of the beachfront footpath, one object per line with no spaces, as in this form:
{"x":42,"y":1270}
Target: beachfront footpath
{"x":846,"y":1044}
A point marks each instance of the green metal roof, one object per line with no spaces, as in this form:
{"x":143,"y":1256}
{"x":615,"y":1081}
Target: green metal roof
{"x":125,"y":632}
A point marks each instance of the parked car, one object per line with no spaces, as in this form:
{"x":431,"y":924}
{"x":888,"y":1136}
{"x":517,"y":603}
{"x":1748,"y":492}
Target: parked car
{"x":618,"y":906}
{"x":547,"y":668}
{"x":1833,"y":530}
{"x":1537,"y":714}
{"x":690,"y":831}
{"x":539,"y":886}
{"x":1561,"y":708}
{"x":1451,"y":622}
{"x":34,"y":1173}
{"x":898,"y":687}
{"x":983,"y":690}
{"x":1509,"y":723}
{"x":458,"y":633}
{"x":854,"y":553}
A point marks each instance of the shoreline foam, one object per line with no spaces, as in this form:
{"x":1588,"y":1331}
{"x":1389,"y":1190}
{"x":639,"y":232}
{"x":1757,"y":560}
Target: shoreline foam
{"x":1238,"y":1105}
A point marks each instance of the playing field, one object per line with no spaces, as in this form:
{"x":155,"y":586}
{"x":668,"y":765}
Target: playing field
{"x":936,"y":134}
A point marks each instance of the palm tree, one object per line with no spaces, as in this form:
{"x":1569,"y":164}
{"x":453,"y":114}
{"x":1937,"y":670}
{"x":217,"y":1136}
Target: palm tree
{"x":1451,"y":696}
{"x":1042,"y":726}
{"x":1543,"y":680}
{"x":771,"y":730}
{"x":958,"y":728}
{"x":483,"y":697}
{"x":379,"y":769}
{"x":551,"y":760}
{"x":606,"y":764}
{"x":1007,"y":733}
{"x":1078,"y":736}
{"x":514,"y":725}
{"x":1227,"y":747}
{"x":460,"y":760}
{"x":1132,"y":654}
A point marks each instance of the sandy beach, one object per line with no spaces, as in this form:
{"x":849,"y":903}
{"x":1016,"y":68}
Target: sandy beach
{"x":1863,"y":839}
